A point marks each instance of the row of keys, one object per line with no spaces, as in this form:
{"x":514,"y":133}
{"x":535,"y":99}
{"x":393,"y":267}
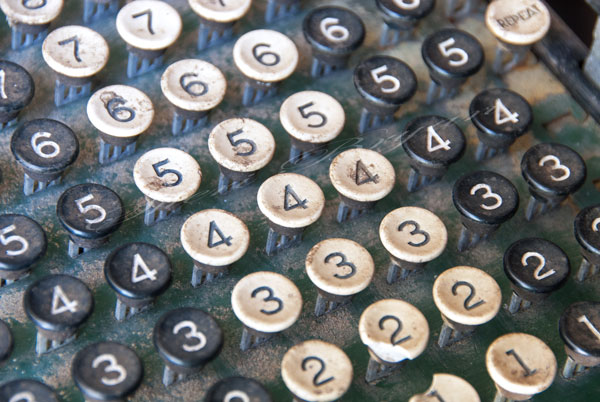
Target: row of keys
{"x":291,"y":202}
{"x":267,"y":57}
{"x":393,"y":330}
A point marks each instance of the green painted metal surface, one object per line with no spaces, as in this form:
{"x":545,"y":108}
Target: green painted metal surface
{"x":557,"y":118}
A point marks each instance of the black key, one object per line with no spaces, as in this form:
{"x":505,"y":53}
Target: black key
{"x":138,"y":273}
{"x":500,"y":116}
{"x":22,"y":243}
{"x":384,"y":84}
{"x":107,"y":371}
{"x":587,"y":233}
{"x":333,"y":33}
{"x":579,"y":328}
{"x":237,"y":388}
{"x":186,"y":339}
{"x":432,"y":143}
{"x":484,"y":200}
{"x":452,"y":56}
{"x":400,"y":18}
{"x":6,"y":341}
{"x":44,"y":148}
{"x":58,"y":305}
{"x":16,"y":91}
{"x":535,"y":268}
{"x":27,"y":390}
{"x":552,"y":172}
{"x":90,"y":213}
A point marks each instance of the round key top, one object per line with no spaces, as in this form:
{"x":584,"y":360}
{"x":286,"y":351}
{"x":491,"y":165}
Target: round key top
{"x":413,"y":234}
{"x":467,"y":295}
{"x":536,"y":265}
{"x":340,"y":267}
{"x":90,"y":211}
{"x":449,"y":388}
{"x":58,"y":303}
{"x":241,"y":145}
{"x":485,"y":197}
{"x":75,"y":51}
{"x":518,"y":22}
{"x":215,"y":237}
{"x":362,"y":175}
{"x":220,"y":11}
{"x":6,"y":342}
{"x":394,"y":330}
{"x":266,"y":301}
{"x":107,"y":371}
{"x":405,"y":10}
{"x":333,"y":30}
{"x":232,"y":388}
{"x":452,"y":53}
{"x":520,"y":364}
{"x":265,"y":55}
{"x":44,"y":147}
{"x":433,"y":143}
{"x":587,"y":233}
{"x":312,"y":117}
{"x":290,"y":200}
{"x":16,"y":90}
{"x":18,"y":390}
{"x":120,"y":111}
{"x":149,"y":24}
{"x":554,"y":169}
{"x":167,"y":175}
{"x":188,"y":337}
{"x":385,"y":81}
{"x":31,"y":12}
{"x":138,"y":271}
{"x":587,"y":229}
{"x":579,"y":328}
{"x":316,"y":371}
{"x":193,"y":85}
{"x":23,"y":242}
{"x":500,"y":115}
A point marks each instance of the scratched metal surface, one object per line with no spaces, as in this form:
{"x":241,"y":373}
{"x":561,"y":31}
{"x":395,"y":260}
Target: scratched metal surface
{"x":557,"y":118}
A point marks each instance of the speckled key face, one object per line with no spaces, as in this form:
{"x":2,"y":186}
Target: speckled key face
{"x":317,"y":116}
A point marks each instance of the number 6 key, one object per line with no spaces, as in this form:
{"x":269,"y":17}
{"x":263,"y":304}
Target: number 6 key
{"x":393,"y":331}
{"x":45,"y":148}
{"x":193,"y":87}
{"x":265,"y":58}
{"x":333,"y":33}
{"x":121,"y":114}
